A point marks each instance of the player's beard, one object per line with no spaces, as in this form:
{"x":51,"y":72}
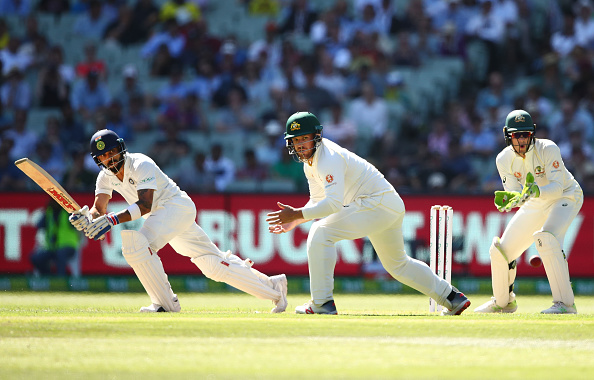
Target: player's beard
{"x":115,"y":166}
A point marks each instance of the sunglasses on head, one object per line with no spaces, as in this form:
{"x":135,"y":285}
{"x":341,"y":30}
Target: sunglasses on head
{"x":521,"y":135}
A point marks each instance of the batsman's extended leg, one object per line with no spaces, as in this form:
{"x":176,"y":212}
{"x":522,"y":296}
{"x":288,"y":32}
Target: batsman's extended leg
{"x":149,"y":270}
{"x":238,"y":273}
{"x":556,"y":267}
{"x":226,"y":267}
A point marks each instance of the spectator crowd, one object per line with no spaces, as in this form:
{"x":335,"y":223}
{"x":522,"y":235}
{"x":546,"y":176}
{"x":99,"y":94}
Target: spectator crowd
{"x":179,"y":81}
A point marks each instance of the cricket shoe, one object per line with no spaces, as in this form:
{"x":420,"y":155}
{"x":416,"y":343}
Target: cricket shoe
{"x":280,"y":283}
{"x":311,"y":308}
{"x":492,"y":307}
{"x":560,"y":308}
{"x":458,"y":304}
{"x":156,"y":308}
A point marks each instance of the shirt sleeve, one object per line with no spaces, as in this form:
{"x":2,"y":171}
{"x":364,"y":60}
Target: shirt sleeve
{"x":555,"y":169}
{"x":507,"y":177}
{"x":327,"y":185}
{"x":146,"y":176}
{"x":103,"y":185}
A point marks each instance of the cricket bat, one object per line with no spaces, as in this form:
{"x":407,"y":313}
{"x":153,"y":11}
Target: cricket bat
{"x":48,"y":184}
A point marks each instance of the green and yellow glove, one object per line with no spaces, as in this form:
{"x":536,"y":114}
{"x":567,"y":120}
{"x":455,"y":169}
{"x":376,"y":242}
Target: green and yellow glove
{"x":504,"y":198}
{"x":531,"y":189}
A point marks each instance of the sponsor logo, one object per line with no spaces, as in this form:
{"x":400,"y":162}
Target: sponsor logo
{"x":146,"y":180}
{"x":100,"y":145}
{"x":539,"y":242}
{"x":329,"y":178}
{"x":520,"y":119}
{"x":295,"y":126}
{"x":60,"y":198}
{"x":564,"y":205}
{"x":504,"y":179}
{"x":556,"y":164}
{"x":131,"y":181}
{"x":225,"y":263}
{"x":518,"y":175}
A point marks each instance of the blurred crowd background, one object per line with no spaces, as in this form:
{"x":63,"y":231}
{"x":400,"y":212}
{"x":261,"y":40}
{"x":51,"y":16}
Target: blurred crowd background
{"x":420,"y":88}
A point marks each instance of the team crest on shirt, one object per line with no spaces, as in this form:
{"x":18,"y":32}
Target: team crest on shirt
{"x":556,"y":164}
{"x":329,"y":178}
{"x":131,"y":181}
{"x":539,"y":171}
{"x":518,"y":175}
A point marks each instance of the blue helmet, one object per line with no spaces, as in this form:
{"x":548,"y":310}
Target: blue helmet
{"x":103,"y":141}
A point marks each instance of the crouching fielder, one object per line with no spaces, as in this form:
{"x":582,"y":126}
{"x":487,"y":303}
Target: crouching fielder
{"x":170,"y":218}
{"x":549,"y":201}
{"x":351,"y":199}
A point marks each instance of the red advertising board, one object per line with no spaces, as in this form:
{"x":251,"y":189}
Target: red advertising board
{"x":237,"y":223}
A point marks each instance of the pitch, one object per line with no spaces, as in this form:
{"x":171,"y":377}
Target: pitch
{"x":232,"y":336}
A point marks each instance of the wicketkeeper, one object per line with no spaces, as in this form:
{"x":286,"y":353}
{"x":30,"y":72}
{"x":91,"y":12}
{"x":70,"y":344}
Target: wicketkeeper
{"x":170,"y":218}
{"x":548,"y":201}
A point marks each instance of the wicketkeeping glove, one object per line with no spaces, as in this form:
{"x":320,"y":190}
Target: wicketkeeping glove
{"x":531,"y":189}
{"x":102,"y":225}
{"x":80,"y":219}
{"x":504,"y":199}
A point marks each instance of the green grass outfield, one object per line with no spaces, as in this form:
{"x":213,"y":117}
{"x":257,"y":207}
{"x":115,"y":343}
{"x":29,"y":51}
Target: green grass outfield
{"x":232,"y":336}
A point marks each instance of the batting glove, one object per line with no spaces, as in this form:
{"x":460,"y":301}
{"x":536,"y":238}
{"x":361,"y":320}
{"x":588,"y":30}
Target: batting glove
{"x":99,"y":227}
{"x":80,"y":219}
{"x":505,"y":199}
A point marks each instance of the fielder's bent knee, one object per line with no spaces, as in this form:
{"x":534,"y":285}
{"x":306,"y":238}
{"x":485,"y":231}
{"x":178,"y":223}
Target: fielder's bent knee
{"x":318,"y":234}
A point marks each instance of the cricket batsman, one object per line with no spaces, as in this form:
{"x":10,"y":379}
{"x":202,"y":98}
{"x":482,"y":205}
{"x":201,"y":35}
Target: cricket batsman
{"x":170,"y":218}
{"x":548,"y":201}
{"x":350,"y":199}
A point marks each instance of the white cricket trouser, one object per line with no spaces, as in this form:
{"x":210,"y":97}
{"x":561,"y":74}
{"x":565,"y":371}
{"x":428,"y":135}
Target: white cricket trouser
{"x":176,"y":225}
{"x":554,"y":218}
{"x":380,"y":218}
{"x":532,"y":217}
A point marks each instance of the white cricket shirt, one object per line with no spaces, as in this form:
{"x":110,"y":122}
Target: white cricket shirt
{"x":545,"y":163}
{"x":338,"y":177}
{"x":140,"y":172}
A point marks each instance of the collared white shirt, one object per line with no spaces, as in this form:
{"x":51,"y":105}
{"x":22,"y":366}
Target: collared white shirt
{"x":140,"y":172}
{"x":545,"y":163}
{"x":337,"y":177}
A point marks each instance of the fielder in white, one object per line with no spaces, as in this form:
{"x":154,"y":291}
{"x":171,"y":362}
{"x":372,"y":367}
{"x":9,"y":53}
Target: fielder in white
{"x":549,"y":201}
{"x":170,"y":218}
{"x":351,"y":199}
